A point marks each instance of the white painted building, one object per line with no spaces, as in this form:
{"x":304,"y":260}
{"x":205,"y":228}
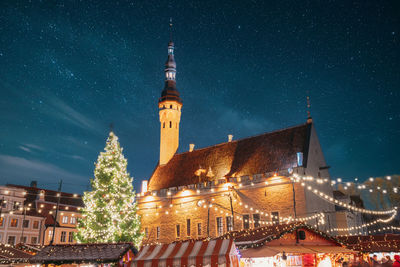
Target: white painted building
{"x":18,"y":223}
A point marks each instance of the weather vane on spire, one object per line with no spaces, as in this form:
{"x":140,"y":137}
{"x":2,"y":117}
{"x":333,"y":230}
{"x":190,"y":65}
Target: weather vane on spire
{"x":170,"y":29}
{"x":309,"y":119}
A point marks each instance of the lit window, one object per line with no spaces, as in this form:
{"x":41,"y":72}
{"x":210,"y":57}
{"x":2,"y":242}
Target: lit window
{"x":220,"y":226}
{"x":11,"y":240}
{"x":50,"y":236}
{"x":199,"y":229}
{"x":275,"y":217}
{"x":178,"y":231}
{"x":63,"y":236}
{"x":14,"y":222}
{"x":188,"y":227}
{"x":246,"y":221}
{"x":65,"y":219}
{"x":71,"y":237}
{"x":73,"y":220}
{"x":229,"y":223}
{"x":1,"y":221}
{"x":256,"y":219}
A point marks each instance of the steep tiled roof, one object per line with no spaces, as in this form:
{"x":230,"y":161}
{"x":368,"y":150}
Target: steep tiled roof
{"x":254,"y":155}
{"x":82,"y":253}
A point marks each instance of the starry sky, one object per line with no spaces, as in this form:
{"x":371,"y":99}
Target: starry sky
{"x":70,"y":68}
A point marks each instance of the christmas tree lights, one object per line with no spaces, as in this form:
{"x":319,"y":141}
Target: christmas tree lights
{"x":110,"y":213}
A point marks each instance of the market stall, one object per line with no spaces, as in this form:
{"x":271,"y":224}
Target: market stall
{"x":189,"y":253}
{"x":289,"y":245}
{"x":12,"y":256}
{"x":107,"y":254}
{"x":383,"y":246}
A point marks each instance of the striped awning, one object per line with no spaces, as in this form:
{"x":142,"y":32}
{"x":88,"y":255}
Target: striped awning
{"x":190,"y":253}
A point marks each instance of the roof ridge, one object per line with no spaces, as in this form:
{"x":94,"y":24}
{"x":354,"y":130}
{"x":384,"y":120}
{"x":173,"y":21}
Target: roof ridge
{"x":39,"y":189}
{"x":241,"y":139}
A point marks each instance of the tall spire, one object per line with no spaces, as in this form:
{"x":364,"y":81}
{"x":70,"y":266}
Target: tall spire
{"x":309,"y":118}
{"x":169,"y":105}
{"x":170,"y":92}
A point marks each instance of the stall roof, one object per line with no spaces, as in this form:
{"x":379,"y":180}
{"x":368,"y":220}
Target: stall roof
{"x":261,"y":235}
{"x":83,"y":253}
{"x":270,"y":251}
{"x":372,"y":243}
{"x":188,"y":253}
{"x":10,"y":255}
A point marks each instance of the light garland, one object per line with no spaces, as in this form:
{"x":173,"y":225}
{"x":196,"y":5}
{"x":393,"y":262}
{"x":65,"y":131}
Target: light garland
{"x":330,"y":199}
{"x":364,"y":225}
{"x":348,"y":185}
{"x":324,"y":196}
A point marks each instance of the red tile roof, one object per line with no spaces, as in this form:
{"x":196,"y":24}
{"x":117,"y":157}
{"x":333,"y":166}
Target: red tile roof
{"x":82,"y":253}
{"x":254,"y":155}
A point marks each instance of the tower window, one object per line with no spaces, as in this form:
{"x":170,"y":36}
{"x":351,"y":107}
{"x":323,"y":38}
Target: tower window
{"x":170,"y":124}
{"x":163,"y":125}
{"x":170,"y":106}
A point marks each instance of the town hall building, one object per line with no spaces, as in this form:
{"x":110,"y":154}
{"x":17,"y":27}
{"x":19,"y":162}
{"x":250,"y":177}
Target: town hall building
{"x":238,"y":184}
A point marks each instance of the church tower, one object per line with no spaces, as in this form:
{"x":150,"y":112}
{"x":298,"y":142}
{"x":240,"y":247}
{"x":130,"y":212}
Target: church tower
{"x":169,"y":105}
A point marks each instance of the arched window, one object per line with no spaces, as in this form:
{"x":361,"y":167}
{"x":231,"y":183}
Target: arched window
{"x":170,"y":106}
{"x":170,"y":124}
{"x":163,"y":125}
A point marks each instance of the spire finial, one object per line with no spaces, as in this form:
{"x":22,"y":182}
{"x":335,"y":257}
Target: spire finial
{"x":170,"y":29}
{"x":111,"y":127}
{"x":309,"y":118}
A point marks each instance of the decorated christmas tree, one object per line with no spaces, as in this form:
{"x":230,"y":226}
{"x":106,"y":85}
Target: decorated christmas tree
{"x":110,"y":212}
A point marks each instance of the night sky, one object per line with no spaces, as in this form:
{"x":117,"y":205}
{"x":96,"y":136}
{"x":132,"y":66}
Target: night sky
{"x":70,"y":68}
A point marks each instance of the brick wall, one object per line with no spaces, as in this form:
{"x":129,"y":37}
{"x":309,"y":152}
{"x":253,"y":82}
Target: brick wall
{"x":276,"y":197}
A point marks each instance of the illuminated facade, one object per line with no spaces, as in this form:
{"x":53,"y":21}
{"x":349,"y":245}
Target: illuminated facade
{"x":60,"y":225}
{"x":238,"y":184}
{"x":19,"y":223}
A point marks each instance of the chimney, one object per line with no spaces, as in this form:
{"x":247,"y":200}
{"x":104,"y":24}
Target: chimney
{"x":191,"y":147}
{"x":230,"y":137}
{"x":144,"y":186}
{"x":33,"y":183}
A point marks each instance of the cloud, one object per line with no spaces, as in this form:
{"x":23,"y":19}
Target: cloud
{"x":16,"y":169}
{"x":61,"y":110}
{"x":36,"y":147}
{"x":25,"y":149}
{"x":76,"y":157}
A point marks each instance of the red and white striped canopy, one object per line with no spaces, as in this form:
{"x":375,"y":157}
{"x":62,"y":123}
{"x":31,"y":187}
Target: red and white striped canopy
{"x":190,"y":253}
